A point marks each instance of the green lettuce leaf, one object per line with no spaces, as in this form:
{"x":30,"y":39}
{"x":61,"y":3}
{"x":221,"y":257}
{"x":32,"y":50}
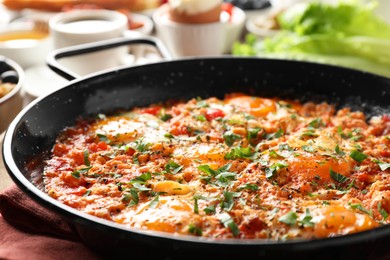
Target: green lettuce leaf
{"x":348,"y":34}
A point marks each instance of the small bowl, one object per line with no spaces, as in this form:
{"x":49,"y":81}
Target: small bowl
{"x":12,"y":102}
{"x":23,"y":43}
{"x":207,"y":39}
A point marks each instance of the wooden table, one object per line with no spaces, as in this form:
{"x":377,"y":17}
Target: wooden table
{"x":5,"y":180}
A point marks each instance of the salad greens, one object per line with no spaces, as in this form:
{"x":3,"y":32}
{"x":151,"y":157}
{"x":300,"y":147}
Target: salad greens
{"x":346,"y":34}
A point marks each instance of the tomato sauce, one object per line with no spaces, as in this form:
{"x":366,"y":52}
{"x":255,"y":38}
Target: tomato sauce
{"x":240,"y":167}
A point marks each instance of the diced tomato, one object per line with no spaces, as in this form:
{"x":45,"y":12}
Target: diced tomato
{"x":385,"y":153}
{"x":386,"y":118}
{"x":78,"y":157}
{"x":251,"y":227}
{"x":130,"y":151}
{"x":151,"y":110}
{"x":60,"y":149}
{"x":79,"y":191}
{"x":305,"y":188}
{"x":179,"y":130}
{"x":213,"y":113}
{"x":102,"y":146}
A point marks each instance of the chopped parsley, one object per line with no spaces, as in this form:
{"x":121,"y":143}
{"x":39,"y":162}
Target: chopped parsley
{"x":275,"y":135}
{"x":87,"y":192}
{"x":169,"y":136}
{"x":141,"y":146}
{"x":307,"y":220}
{"x":209,"y":210}
{"x":382,"y":165}
{"x":165,"y":117}
{"x":103,"y":138}
{"x":77,"y":173}
{"x":230,"y":138}
{"x":308,"y":148}
{"x":290,"y":218}
{"x":253,"y":133}
{"x":228,"y":222}
{"x":338,"y":151}
{"x":271,"y":171}
{"x":382,"y":211}
{"x":142,"y":179}
{"x":197,"y":231}
{"x":202,"y":103}
{"x":239,"y":153}
{"x":337,"y":176}
{"x":173,"y":168}
{"x":86,"y":159}
{"x":153,"y":204}
{"x":228,"y":202}
{"x":201,"y":118}
{"x":248,"y":186}
{"x":361,"y":208}
{"x":358,"y":156}
{"x":275,"y":155}
{"x":316,"y":123}
{"x":222,"y":175}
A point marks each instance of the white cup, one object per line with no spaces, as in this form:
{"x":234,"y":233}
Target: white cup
{"x":85,"y":26}
{"x":206,"y":39}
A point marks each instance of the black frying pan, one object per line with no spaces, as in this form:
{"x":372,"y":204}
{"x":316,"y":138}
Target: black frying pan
{"x":32,"y":134}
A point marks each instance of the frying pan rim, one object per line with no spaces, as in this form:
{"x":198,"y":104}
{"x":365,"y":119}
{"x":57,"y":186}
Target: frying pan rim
{"x":86,"y":219}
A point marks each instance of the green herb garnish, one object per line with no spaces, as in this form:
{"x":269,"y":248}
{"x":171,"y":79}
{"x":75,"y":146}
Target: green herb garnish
{"x":86,"y":159}
{"x":197,"y":231}
{"x":290,"y":218}
{"x":271,"y":171}
{"x":173,"y":168}
{"x":230,"y":138}
{"x":228,"y":222}
{"x":358,"y":156}
{"x":239,"y":152}
{"x":337,"y":176}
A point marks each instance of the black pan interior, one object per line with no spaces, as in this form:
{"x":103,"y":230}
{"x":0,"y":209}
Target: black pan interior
{"x":35,"y":129}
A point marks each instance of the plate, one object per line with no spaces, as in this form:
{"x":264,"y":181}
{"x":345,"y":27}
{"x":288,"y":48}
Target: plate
{"x":40,"y":80}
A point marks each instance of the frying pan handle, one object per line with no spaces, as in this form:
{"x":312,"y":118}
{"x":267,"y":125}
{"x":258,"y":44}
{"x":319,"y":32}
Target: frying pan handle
{"x":98,"y":46}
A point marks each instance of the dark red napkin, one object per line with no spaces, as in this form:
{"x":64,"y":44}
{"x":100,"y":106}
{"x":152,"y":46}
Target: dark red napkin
{"x":30,"y":231}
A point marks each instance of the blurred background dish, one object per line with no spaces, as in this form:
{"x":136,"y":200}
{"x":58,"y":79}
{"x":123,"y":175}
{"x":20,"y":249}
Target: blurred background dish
{"x":11,"y":100}
{"x":200,"y":39}
{"x":24,"y":42}
{"x":60,"y":5}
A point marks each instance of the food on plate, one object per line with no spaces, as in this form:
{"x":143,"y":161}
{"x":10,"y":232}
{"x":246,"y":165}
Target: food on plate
{"x":346,"y":33}
{"x":58,"y":5}
{"x":5,"y":88}
{"x":195,"y":11}
{"x":240,"y":167}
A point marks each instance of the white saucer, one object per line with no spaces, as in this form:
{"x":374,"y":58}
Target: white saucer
{"x":40,"y":80}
